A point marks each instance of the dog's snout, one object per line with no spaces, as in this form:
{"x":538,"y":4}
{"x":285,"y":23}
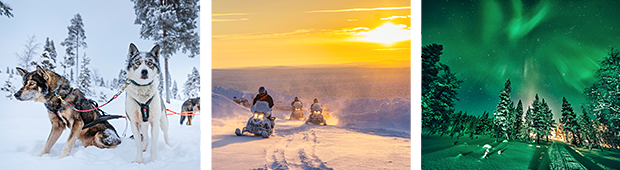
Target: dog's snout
{"x":17,"y":95}
{"x":144,"y":72}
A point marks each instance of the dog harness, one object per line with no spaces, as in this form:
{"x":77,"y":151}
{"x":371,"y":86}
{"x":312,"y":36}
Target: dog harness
{"x":144,"y":108}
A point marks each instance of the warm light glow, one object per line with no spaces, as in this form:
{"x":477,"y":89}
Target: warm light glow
{"x":386,"y":34}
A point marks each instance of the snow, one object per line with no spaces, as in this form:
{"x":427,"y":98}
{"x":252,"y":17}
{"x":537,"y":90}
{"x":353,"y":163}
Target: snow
{"x":372,"y":136}
{"x":25,"y":127}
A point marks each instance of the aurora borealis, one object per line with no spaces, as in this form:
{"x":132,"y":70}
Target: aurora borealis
{"x":549,"y":48}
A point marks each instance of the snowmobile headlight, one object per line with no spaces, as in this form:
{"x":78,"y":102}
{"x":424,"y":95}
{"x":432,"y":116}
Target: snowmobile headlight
{"x":255,"y":115}
{"x":297,"y":109}
{"x":260,"y":116}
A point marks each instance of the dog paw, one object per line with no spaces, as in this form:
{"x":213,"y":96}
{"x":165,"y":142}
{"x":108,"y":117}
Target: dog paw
{"x":40,"y":154}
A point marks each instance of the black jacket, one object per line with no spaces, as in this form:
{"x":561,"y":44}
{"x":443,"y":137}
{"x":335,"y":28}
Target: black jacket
{"x":263,"y":97}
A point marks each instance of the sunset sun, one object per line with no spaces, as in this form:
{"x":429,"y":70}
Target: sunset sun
{"x":386,"y":34}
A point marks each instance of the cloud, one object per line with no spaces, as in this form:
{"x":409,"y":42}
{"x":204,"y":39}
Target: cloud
{"x":395,"y":17}
{"x":230,"y":14}
{"x":360,"y":9}
{"x":225,"y":20}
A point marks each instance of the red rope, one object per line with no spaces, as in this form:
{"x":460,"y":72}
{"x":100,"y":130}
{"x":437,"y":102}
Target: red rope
{"x":182,"y":113}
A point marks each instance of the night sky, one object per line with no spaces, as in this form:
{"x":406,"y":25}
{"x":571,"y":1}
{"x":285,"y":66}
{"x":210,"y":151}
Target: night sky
{"x":552,"y":48}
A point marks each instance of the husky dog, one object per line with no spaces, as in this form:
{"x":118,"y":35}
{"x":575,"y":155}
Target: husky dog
{"x":43,"y":86}
{"x":192,"y":104}
{"x":143,"y":104}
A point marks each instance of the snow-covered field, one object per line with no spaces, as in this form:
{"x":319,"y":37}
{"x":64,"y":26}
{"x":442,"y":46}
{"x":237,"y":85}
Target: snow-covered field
{"x":25,"y":126}
{"x":361,"y":134}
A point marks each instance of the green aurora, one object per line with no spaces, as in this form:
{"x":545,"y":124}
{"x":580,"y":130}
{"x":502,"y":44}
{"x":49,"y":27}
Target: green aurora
{"x":549,"y":48}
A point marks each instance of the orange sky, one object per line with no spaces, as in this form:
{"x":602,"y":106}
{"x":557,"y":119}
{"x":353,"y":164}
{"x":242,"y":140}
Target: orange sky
{"x":293,"y":33}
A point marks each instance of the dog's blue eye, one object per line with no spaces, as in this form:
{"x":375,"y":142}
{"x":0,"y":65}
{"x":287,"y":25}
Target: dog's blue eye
{"x":149,"y":63}
{"x":137,"y":63}
{"x":31,"y":83}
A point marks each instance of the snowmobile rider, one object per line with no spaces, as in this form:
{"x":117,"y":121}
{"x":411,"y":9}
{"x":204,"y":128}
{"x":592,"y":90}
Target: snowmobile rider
{"x":316,"y":101}
{"x":263,"y":96}
{"x":293,"y":103}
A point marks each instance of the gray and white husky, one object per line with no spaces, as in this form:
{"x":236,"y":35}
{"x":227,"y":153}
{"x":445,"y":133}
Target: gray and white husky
{"x":143,"y":104}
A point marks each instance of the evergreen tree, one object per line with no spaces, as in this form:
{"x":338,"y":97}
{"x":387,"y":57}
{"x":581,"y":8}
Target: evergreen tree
{"x":172,"y":25}
{"x":26,"y":57}
{"x":529,"y":122}
{"x":549,"y":123}
{"x":538,"y":119}
{"x":502,"y":113}
{"x":84,"y":78}
{"x":5,"y":9}
{"x":175,"y":90}
{"x":588,"y":130}
{"x":122,"y":79}
{"x":8,"y":87}
{"x":192,"y":85}
{"x":430,"y":65}
{"x":569,"y":120}
{"x":518,"y":119}
{"x":76,"y":38}
{"x":49,"y":55}
{"x":602,"y":98}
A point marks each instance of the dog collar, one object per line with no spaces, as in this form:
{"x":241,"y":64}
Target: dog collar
{"x":136,"y":83}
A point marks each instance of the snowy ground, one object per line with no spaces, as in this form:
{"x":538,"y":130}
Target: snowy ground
{"x":25,"y":127}
{"x":373,"y":136}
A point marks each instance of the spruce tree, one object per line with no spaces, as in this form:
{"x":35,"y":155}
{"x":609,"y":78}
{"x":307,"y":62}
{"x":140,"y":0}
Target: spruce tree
{"x":175,"y":90}
{"x":518,"y":119}
{"x":502,"y":113}
{"x":569,"y":120}
{"x":538,"y":118}
{"x":549,"y":123}
{"x":76,"y":38}
{"x":5,"y":9}
{"x":49,"y":55}
{"x":84,"y":78}
{"x":192,"y":85}
{"x":172,"y":25}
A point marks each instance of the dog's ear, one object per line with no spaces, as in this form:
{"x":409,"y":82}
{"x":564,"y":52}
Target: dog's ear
{"x":133,"y":50}
{"x":43,"y":73}
{"x":21,"y":71}
{"x":155,"y":50}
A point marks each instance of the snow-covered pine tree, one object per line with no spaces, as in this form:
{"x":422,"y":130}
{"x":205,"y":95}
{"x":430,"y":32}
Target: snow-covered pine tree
{"x":76,"y":38}
{"x":84,"y":78}
{"x":121,"y":80}
{"x":569,"y":120}
{"x":548,"y":117}
{"x":172,"y":25}
{"x":175,"y":90}
{"x":5,"y":9}
{"x":602,"y":98}
{"x":48,"y":58}
{"x":8,"y":87}
{"x":160,"y":87}
{"x":26,"y":57}
{"x":588,"y":130}
{"x":192,"y":85}
{"x":502,"y":112}
{"x":518,"y":120}
{"x":528,"y":124}
{"x":71,"y":76}
{"x":430,"y":65}
{"x":538,"y":119}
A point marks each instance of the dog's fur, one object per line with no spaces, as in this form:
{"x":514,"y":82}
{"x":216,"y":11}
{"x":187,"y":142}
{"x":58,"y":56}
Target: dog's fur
{"x":143,"y":68}
{"x":40,"y":86}
{"x":192,"y":104}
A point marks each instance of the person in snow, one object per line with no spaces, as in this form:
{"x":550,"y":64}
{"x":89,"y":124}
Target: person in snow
{"x":263,"y":96}
{"x":293,"y":103}
{"x":316,"y":101}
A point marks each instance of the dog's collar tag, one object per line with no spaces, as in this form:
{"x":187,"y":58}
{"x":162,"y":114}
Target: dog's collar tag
{"x":144,"y":109}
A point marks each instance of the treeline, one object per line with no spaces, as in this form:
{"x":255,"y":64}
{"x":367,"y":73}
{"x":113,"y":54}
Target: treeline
{"x":514,"y":122}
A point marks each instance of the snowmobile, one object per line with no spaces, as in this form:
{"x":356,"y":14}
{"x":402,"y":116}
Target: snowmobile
{"x":297,"y":113}
{"x":260,"y":124}
{"x":316,"y":115}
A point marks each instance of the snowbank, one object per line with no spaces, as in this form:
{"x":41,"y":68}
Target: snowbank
{"x":25,"y":127}
{"x":367,"y":113}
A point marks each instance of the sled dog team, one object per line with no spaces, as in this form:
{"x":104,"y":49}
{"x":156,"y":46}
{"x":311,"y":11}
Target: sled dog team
{"x":143,"y":106}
